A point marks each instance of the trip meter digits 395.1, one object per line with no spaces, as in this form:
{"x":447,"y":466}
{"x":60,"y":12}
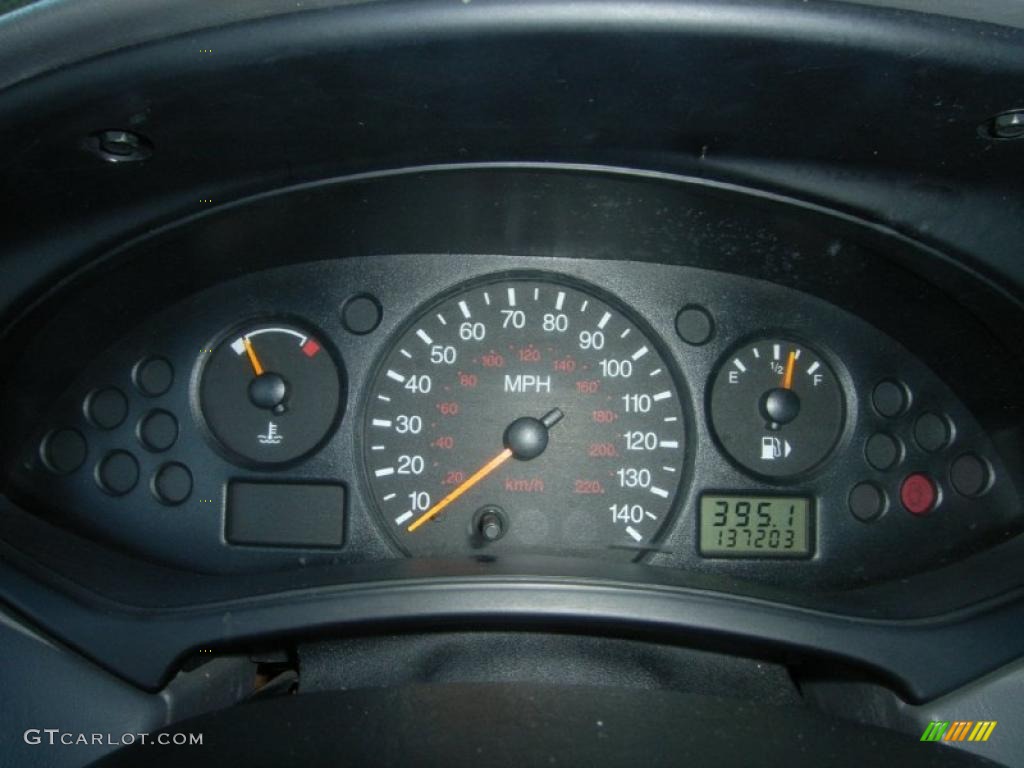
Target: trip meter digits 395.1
{"x":524,"y":415}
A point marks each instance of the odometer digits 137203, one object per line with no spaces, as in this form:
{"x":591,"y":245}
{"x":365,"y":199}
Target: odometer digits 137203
{"x":739,"y":525}
{"x":524,"y":415}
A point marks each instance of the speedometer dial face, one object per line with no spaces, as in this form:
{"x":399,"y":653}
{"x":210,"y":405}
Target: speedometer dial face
{"x":524,"y":415}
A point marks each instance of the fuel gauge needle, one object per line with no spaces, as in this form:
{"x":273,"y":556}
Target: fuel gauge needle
{"x":787,"y":377}
{"x":252,"y":356}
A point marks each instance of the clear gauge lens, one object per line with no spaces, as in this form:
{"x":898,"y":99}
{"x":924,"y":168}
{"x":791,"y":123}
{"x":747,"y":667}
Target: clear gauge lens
{"x":776,"y":407}
{"x":524,"y":415}
{"x":269,"y":393}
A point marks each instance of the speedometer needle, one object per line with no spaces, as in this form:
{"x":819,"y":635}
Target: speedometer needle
{"x":525,"y":439}
{"x":468,"y":483}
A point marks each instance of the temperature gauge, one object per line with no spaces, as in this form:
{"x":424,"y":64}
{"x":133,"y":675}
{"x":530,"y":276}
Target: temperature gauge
{"x":270,"y":393}
{"x":776,"y":407}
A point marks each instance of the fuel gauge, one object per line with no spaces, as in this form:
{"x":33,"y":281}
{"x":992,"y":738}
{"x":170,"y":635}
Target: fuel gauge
{"x":270,"y":393}
{"x":776,"y":407}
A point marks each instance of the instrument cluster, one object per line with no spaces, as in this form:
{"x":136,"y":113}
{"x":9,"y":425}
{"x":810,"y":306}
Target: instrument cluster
{"x":439,"y":406}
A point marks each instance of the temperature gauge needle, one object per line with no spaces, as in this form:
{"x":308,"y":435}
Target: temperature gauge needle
{"x":787,"y":377}
{"x":472,"y":480}
{"x":252,"y":356}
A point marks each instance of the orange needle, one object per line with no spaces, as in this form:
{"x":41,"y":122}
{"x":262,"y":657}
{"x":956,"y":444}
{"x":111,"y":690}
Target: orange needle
{"x":470,"y":481}
{"x":252,"y":356}
{"x":787,"y":377}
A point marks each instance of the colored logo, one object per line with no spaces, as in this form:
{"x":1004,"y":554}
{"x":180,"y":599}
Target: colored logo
{"x":958,"y":730}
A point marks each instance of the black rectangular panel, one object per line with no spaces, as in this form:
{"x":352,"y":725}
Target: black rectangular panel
{"x":286,"y":515}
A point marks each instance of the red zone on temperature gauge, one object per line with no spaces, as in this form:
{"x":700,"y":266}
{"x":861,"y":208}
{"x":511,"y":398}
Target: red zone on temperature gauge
{"x":524,"y":415}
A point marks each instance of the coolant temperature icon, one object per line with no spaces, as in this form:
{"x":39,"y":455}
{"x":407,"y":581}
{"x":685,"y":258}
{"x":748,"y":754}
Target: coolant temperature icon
{"x":272,"y":437}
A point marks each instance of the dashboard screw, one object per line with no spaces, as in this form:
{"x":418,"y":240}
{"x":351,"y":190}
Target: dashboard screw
{"x":117,"y":146}
{"x":1008,"y":125}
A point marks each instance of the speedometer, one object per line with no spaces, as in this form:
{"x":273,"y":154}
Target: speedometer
{"x":524,"y":415}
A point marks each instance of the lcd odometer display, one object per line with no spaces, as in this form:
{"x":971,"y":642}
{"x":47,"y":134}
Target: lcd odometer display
{"x":755,"y":526}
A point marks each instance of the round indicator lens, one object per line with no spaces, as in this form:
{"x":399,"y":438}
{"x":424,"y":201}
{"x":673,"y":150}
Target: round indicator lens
{"x":776,"y":407}
{"x":524,"y":415}
{"x":270,"y":394}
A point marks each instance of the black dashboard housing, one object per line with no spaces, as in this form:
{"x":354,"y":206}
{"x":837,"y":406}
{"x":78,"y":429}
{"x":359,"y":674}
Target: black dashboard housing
{"x":835,"y":149}
{"x":176,"y":295}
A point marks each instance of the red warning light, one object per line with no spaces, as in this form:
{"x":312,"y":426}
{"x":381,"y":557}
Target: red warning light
{"x":918,"y":494}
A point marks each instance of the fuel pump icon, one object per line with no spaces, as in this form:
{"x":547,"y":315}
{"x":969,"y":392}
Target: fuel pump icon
{"x":773,"y":448}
